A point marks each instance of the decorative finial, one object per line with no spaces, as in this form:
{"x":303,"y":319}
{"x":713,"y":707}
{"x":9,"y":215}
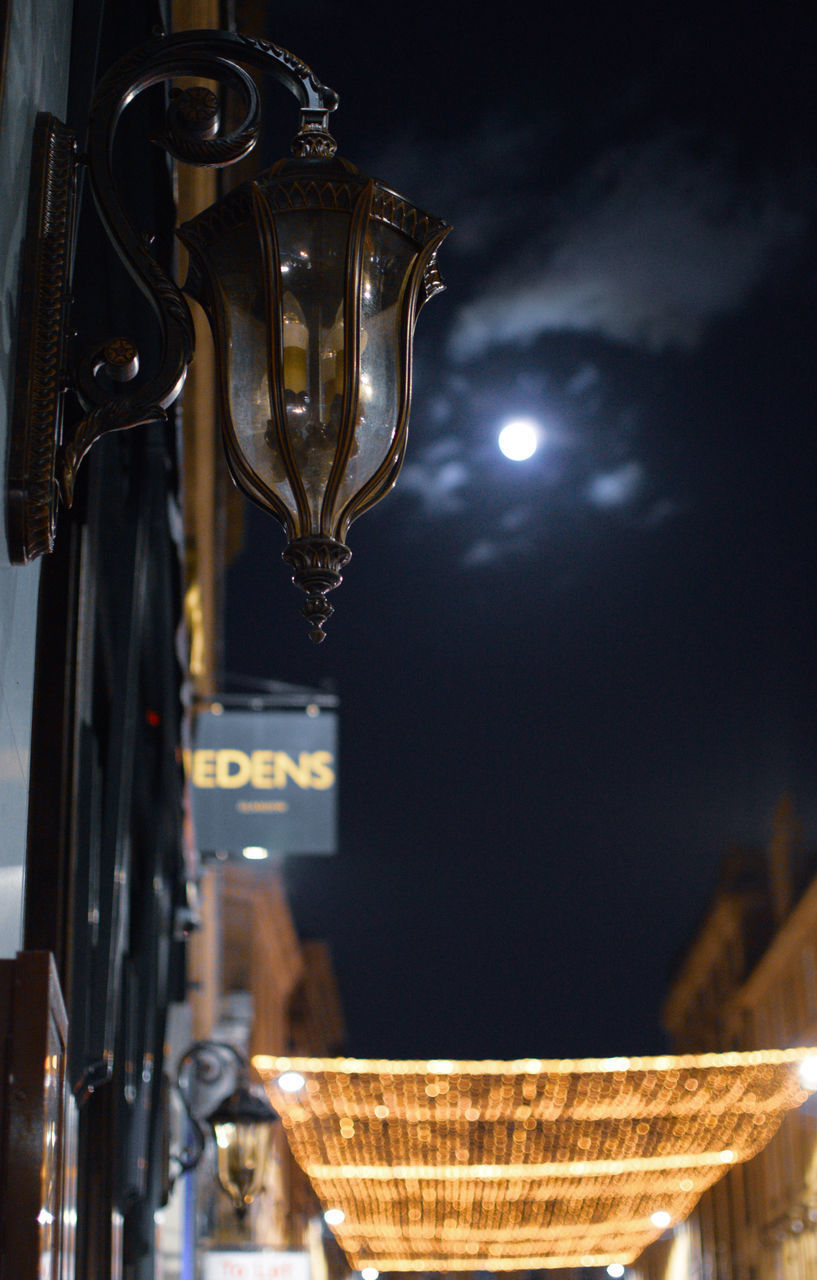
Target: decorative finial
{"x":317,"y":561}
{"x":317,"y":610}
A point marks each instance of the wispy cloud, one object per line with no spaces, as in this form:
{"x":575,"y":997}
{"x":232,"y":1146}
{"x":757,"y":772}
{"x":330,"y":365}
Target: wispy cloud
{"x":628,"y":492}
{"x":507,"y":543}
{"x":617,"y":488}
{"x":486,"y":184}
{"x":660,"y":511}
{"x":483,"y":552}
{"x":643,"y":244}
{"x":438,"y":477}
{"x":645,"y":248}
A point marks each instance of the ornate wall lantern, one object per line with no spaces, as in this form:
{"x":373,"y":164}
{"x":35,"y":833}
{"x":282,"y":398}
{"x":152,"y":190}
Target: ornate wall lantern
{"x":212,"y":1083}
{"x":312,"y":276}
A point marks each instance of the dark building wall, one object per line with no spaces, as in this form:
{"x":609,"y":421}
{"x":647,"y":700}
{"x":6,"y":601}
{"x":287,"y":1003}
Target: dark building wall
{"x":100,"y":688}
{"x":36,"y":36}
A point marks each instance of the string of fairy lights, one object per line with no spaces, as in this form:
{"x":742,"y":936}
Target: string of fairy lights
{"x":525,"y":1165}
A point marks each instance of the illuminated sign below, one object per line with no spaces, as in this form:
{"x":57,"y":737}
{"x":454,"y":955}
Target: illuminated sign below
{"x":264,"y":780}
{"x":255,"y":1264}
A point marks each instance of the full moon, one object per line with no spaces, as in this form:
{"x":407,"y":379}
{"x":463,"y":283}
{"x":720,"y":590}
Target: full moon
{"x":519,"y":439}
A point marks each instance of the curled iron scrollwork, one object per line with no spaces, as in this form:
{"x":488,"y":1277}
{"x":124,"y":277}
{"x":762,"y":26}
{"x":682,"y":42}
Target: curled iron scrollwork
{"x":41,"y":463}
{"x":218,"y":56}
{"x":211,"y":1069}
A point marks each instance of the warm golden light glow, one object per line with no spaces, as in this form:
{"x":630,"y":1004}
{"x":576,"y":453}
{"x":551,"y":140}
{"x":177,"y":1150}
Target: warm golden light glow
{"x":524,"y":1165}
{"x":242,"y":1151}
{"x":808,"y":1073}
{"x":291,"y":1081}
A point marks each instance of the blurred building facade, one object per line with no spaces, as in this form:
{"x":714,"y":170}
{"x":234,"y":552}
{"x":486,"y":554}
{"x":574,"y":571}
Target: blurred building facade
{"x":749,"y":981}
{"x":254,"y":985}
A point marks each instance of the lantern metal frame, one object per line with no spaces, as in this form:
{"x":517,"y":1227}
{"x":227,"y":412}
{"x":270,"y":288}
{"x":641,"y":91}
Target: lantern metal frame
{"x":317,"y":555}
{"x":222,"y":1073}
{"x":44,"y":458}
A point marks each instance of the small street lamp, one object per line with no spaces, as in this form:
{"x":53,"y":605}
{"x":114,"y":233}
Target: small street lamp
{"x":241,"y":1121}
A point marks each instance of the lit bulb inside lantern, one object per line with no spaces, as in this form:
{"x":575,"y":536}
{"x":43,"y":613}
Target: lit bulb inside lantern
{"x":296,"y":338}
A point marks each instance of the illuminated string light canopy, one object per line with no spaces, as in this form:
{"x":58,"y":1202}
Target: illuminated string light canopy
{"x":526,"y":1165}
{"x":291,"y":1081}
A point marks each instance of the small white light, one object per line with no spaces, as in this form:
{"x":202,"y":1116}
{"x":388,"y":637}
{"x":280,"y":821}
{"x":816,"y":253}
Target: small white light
{"x":369,"y":1273}
{"x":727,"y":1156}
{"x":808,"y":1073}
{"x":334,"y":1217}
{"x":661,"y":1218}
{"x":615,"y":1271}
{"x":290,"y":1081}
{"x":440,"y":1066}
{"x":519,"y":439}
{"x":254,"y":853}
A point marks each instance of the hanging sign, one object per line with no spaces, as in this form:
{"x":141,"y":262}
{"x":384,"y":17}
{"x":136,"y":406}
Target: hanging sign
{"x":255,"y":1264}
{"x":265,"y":780}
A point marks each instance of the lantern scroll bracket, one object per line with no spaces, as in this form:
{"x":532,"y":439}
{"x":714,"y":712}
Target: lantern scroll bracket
{"x":113,"y":395}
{"x":213,"y":1084}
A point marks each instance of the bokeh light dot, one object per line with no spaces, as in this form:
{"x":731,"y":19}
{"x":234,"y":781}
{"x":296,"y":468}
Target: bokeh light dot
{"x":808,"y":1073}
{"x":291,"y":1081}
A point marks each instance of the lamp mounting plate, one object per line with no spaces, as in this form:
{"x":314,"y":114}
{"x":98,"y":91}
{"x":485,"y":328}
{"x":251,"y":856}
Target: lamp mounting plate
{"x":41,"y":367}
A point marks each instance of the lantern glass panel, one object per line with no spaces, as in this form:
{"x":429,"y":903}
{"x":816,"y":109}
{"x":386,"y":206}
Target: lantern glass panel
{"x":236,"y":267}
{"x":387,"y":260}
{"x":242,"y":1151}
{"x":312,"y":248}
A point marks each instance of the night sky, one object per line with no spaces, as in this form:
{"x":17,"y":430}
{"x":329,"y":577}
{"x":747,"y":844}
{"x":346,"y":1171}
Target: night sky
{"x":567,"y":685}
